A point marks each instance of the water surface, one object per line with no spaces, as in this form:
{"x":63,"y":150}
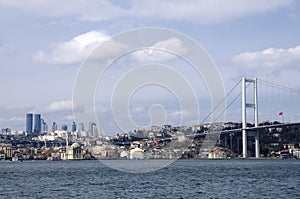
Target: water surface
{"x":182,"y":179}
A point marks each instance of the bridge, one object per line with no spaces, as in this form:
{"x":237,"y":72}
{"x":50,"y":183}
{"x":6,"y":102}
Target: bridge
{"x":258,"y":102}
{"x":283,"y":103}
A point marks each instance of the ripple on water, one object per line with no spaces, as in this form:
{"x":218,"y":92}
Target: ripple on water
{"x":182,"y":179}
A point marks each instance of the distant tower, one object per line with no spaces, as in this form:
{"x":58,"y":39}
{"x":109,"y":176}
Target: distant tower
{"x":64,"y":127}
{"x":80,"y":127}
{"x":74,"y":127}
{"x":99,"y":131}
{"x":37,"y":123}
{"x":54,"y":127}
{"x":67,"y":142}
{"x":29,"y":123}
{"x":92,"y":128}
{"x":44,"y":126}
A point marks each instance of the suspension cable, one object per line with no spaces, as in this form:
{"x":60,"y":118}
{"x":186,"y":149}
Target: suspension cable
{"x":240,"y":93}
{"x":211,"y":112}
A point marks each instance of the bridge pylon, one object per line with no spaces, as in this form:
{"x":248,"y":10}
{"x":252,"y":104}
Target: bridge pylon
{"x":245,"y":106}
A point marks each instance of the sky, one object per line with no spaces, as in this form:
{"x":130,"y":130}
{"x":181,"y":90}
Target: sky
{"x":43,"y":45}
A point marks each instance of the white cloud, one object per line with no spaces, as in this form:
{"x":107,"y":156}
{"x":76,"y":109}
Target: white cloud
{"x":158,"y":51}
{"x":277,"y":65}
{"x":270,"y":58}
{"x":204,"y":11}
{"x":17,"y":119}
{"x":183,"y":113}
{"x":60,"y":106}
{"x":201,"y":11}
{"x":73,"y":51}
{"x":91,"y":10}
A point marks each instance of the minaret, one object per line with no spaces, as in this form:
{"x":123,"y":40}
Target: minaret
{"x":67,"y":140}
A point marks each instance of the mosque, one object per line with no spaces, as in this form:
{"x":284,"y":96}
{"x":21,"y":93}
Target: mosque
{"x":73,"y":152}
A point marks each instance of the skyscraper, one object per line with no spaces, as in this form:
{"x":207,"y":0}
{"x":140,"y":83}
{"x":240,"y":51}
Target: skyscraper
{"x":29,"y":123}
{"x":37,"y":123}
{"x":44,"y":127}
{"x":74,"y":127}
{"x":54,"y":127}
{"x":64,"y":127}
{"x":80,"y":127}
{"x":92,"y":129}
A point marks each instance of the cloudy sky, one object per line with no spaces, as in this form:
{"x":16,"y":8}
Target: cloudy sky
{"x":44,"y":43}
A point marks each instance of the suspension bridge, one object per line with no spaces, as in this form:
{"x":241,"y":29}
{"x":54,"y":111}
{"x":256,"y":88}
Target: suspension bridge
{"x":261,"y":102}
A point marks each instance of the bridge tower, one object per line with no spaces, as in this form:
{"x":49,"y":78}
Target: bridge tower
{"x":245,"y":106}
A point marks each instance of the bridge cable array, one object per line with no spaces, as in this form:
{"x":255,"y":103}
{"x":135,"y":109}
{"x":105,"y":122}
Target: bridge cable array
{"x":277,"y":102}
{"x":221,"y":101}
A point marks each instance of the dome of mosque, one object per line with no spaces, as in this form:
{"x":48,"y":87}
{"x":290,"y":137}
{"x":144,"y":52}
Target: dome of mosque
{"x":75,"y":145}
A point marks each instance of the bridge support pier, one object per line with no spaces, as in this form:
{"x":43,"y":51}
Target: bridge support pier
{"x":245,"y":141}
{"x":246,"y":105}
{"x":257,"y":150}
{"x":244,"y":122}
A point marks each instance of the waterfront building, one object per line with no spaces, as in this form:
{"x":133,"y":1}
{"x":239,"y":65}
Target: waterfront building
{"x":6,"y":150}
{"x":29,"y":123}
{"x":124,"y":154}
{"x":73,"y":152}
{"x":37,"y":123}
{"x":105,"y":151}
{"x":136,"y":154}
{"x":217,"y":154}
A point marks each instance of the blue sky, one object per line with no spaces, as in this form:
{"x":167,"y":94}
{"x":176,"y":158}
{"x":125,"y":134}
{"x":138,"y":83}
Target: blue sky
{"x":43,"y":44}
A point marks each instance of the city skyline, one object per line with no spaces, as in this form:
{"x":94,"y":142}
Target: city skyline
{"x":149,"y":98}
{"x":43,"y":47}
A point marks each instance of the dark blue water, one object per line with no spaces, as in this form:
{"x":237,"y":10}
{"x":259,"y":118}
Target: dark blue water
{"x":182,"y":179}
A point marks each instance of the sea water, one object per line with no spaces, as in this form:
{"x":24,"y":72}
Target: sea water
{"x":181,"y":179}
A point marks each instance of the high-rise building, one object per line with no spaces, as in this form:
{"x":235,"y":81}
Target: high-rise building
{"x":44,"y":127}
{"x":64,"y":127}
{"x":80,"y":127}
{"x":37,"y":123}
{"x":74,"y":128}
{"x":54,"y":127}
{"x":5,"y":131}
{"x":92,"y":129}
{"x":29,"y":123}
{"x":99,"y":132}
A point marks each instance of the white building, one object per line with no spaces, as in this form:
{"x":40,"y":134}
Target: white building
{"x":136,"y":154}
{"x":73,"y":152}
{"x":217,"y":154}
